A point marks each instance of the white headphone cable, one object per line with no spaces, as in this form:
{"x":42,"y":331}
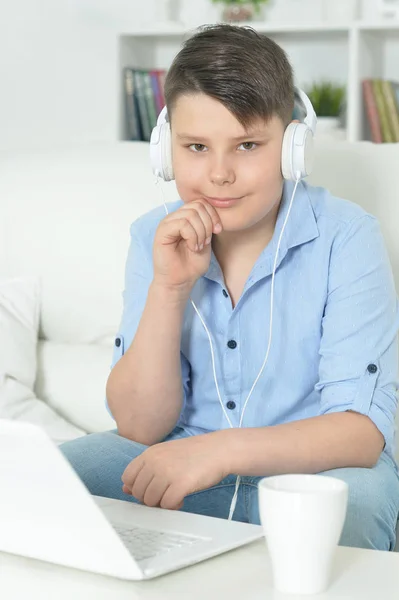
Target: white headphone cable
{"x":238,"y":480}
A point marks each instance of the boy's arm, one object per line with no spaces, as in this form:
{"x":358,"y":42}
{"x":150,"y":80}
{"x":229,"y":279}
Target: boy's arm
{"x":309,"y":446}
{"x":181,"y":467}
{"x":144,"y":390}
{"x":357,"y":373}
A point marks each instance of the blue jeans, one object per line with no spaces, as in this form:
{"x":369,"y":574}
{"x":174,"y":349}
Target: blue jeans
{"x":101,"y":458}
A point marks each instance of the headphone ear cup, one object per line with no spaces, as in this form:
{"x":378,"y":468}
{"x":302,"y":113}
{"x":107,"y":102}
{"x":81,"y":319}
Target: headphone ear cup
{"x":297,"y":152}
{"x":286,"y":157}
{"x":155,"y":151}
{"x":166,"y":152}
{"x":161,"y":152}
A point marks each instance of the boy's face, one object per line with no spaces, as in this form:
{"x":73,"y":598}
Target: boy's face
{"x":216,"y":159}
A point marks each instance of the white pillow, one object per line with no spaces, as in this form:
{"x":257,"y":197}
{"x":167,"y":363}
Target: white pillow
{"x":19,"y":321}
{"x":19,"y":324}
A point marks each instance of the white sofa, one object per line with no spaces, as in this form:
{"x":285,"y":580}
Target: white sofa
{"x":65,"y":216}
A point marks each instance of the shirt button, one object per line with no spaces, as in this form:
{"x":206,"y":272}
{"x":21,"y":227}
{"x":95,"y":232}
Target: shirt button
{"x":118,"y":342}
{"x":225,"y":294}
{"x":232,"y":344}
{"x":231,"y":405}
{"x":372,"y":368}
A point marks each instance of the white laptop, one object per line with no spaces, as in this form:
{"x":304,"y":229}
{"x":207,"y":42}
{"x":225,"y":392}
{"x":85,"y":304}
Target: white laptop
{"x":47,"y":513}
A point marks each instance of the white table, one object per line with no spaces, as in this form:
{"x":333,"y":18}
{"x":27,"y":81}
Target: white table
{"x":242,"y":574}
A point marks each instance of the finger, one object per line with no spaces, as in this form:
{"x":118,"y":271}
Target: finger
{"x":216,"y":222}
{"x":132,"y":470}
{"x":173,"y":497}
{"x":204,"y":216}
{"x":155,"y":491}
{"x":126,"y":490}
{"x":193,"y":216}
{"x":182,"y":229}
{"x":141,"y":483}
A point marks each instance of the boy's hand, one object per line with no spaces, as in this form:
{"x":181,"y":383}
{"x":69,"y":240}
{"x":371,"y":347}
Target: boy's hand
{"x":166,"y":473}
{"x":182,"y":245}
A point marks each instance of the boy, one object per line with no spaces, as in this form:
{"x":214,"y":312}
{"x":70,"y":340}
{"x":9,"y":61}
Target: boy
{"x":325,"y":402}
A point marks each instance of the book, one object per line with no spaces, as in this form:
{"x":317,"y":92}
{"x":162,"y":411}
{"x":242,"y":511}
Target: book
{"x":133,"y":123}
{"x":387,"y":135}
{"x":395,"y":87}
{"x":372,"y":111}
{"x":392,"y":108}
{"x":142,"y":104}
{"x":155,"y":75}
{"x":161,"y":81}
{"x":150,"y":100}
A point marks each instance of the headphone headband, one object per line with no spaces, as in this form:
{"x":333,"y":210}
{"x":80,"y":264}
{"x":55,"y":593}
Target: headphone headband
{"x":311,"y":119}
{"x":163,"y":117}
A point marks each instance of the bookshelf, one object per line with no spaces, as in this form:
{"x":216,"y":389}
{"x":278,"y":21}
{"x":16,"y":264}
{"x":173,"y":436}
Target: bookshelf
{"x":343,"y":52}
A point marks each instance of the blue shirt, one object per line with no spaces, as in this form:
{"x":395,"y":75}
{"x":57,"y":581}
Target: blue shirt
{"x":335,"y":322}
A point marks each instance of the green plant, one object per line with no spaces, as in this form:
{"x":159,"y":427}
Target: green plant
{"x":256,"y":3}
{"x":327,"y":98}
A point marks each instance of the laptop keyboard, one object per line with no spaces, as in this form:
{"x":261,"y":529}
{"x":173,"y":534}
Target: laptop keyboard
{"x":146,"y":543}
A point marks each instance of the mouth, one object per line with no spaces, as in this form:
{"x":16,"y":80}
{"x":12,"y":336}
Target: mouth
{"x":222,"y":202}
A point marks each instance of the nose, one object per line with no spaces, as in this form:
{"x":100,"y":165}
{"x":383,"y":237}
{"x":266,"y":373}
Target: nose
{"x":221,"y":171}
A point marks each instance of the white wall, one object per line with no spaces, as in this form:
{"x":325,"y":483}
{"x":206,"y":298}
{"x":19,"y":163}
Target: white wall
{"x":59,"y":65}
{"x":58,"y":69}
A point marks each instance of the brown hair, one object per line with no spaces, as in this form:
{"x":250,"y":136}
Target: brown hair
{"x":246,"y":71}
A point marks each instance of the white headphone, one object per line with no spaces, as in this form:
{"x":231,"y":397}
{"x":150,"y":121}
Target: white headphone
{"x":297,"y":151}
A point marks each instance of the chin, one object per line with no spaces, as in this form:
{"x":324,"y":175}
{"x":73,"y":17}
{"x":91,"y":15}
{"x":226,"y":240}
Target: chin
{"x":234,"y":225}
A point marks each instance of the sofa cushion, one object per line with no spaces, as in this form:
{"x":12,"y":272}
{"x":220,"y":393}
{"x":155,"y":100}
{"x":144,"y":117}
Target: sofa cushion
{"x":19,"y":322}
{"x":72,"y":379}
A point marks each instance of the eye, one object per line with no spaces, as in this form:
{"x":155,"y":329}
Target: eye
{"x":197,"y":147}
{"x":248,"y":145}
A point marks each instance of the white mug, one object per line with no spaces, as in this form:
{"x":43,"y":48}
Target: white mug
{"x":302,"y":517}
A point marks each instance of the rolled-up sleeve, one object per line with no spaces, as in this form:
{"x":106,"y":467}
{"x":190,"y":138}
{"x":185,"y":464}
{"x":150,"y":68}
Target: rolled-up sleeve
{"x":359,"y":351}
{"x":138,"y":276}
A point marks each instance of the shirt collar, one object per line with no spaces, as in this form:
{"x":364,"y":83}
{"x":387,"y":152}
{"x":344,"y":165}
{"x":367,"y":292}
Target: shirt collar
{"x":301,"y":225}
{"x":301,"y":228}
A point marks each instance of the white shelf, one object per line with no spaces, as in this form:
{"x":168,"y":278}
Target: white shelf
{"x":163,"y":30}
{"x":345,"y":52}
{"x":383,"y":26}
{"x":172,"y":29}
